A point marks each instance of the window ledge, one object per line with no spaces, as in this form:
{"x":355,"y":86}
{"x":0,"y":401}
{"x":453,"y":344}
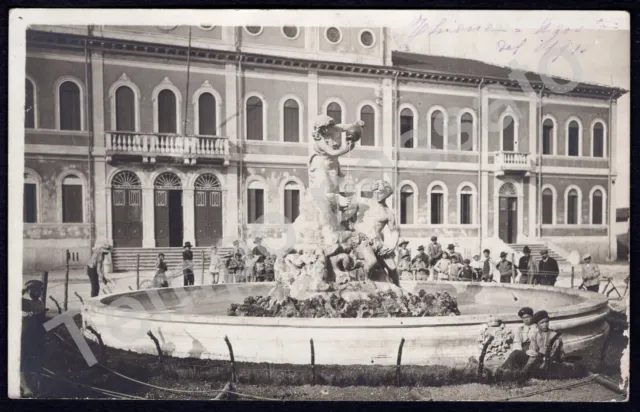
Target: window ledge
{"x":57,"y":131}
{"x":576,"y":226}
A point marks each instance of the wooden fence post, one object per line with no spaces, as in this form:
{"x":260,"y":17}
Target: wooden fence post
{"x":313,"y":363}
{"x":399,"y":362}
{"x":45,"y":283}
{"x":513,"y":268}
{"x":66,"y":281}
{"x":572,"y":275}
{"x":232,"y":358}
{"x":138,"y":271}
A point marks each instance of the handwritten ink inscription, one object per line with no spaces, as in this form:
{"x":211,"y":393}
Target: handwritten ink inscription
{"x":550,"y":38}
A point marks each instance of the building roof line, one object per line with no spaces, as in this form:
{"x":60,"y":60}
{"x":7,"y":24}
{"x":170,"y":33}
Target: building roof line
{"x":72,"y":41}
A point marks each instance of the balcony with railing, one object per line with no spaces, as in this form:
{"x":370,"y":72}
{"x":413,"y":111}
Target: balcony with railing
{"x":512,"y":162}
{"x":151,"y":146}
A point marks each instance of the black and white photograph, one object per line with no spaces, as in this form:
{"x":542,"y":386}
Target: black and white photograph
{"x":319,"y":205}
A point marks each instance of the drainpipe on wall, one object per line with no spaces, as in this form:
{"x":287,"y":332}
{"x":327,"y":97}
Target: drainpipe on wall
{"x":539,"y":134}
{"x":88,"y":92}
{"x":609,"y":184}
{"x":479,"y":144}
{"x":395,"y":123}
{"x":240,"y":131}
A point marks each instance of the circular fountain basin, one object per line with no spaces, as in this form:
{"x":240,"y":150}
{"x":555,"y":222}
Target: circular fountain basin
{"x":192,"y":322}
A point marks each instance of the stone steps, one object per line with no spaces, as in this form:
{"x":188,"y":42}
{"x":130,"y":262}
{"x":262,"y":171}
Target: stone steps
{"x":535,"y":251}
{"x":124,"y":259}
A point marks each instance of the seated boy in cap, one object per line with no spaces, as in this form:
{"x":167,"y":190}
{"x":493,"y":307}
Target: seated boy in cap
{"x":524,"y":332}
{"x":505,"y":267}
{"x":466,"y":273}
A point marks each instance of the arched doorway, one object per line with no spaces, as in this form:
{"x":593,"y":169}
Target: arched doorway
{"x":168,"y":210}
{"x":208,"y":210}
{"x":508,"y":215}
{"x":126,"y":210}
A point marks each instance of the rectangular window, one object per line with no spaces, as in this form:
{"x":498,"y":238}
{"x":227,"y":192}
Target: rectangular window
{"x":201,"y":199}
{"x":119,"y":197}
{"x":368,"y":132}
{"x":465,"y":209}
{"x":406,"y":131}
{"x":291,"y":124}
{"x":134,"y":197}
{"x":597,"y":210}
{"x":255,"y":206}
{"x":436,"y":209}
{"x":72,"y":204}
{"x":547,"y":131}
{"x":547,"y":209}
{"x":215,"y":199}
{"x":291,"y":205}
{"x":574,"y":145}
{"x":30,"y":213}
{"x":406,"y":208}
{"x":572,"y":210}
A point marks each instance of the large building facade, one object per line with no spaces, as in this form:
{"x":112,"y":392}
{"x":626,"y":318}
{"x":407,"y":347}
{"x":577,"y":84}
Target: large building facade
{"x":149,"y":137}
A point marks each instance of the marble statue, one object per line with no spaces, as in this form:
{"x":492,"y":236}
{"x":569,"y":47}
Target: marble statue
{"x":338,"y":241}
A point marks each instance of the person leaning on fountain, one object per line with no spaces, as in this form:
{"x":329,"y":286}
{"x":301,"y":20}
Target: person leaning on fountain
{"x":590,"y":274}
{"x":548,"y":269}
{"x":505,"y":267}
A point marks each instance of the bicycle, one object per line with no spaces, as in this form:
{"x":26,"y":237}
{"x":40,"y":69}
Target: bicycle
{"x":606,"y":286}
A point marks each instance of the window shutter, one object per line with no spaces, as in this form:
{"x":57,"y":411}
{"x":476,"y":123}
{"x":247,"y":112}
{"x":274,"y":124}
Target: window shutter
{"x":125,"y":110}
{"x":547,"y":207}
{"x":597,"y":208}
{"x":70,"y":112}
{"x":368,"y":116}
{"x":207,"y":114}
{"x":72,"y":203}
{"x":30,"y":211}
{"x":167,"y":112}
{"x":291,"y":121}
{"x":29,"y":106}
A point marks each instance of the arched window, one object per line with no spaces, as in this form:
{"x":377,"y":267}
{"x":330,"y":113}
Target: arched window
{"x":291,"y":201}
{"x":167,"y":112}
{"x":597,"y":207}
{"x":407,"y":127}
{"x":207,"y":114}
{"x":573,"y":207}
{"x":30,"y":205}
{"x":255,"y":118}
{"x":437,"y":132}
{"x":548,"y":206}
{"x":255,"y":202}
{"x":70,"y":106}
{"x":335,"y":112}
{"x":508,"y":134}
{"x":466,"y":205}
{"x":29,"y":105}
{"x":437,"y":205}
{"x":598,"y":138}
{"x":125,"y":109}
{"x":573,"y":138}
{"x":291,"y":121}
{"x":72,"y":200}
{"x":467,"y":129}
{"x":368,"y":116}
{"x":407,"y":211}
{"x":548,"y":137}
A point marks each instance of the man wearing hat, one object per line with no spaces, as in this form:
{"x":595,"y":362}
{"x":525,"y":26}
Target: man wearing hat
{"x":548,"y":269}
{"x":95,"y":268}
{"x":452,"y":252}
{"x":420,"y":263}
{"x":187,"y":264}
{"x":404,"y":259}
{"x":505,"y":267}
{"x":32,"y":338}
{"x":590,"y":274}
{"x":527,"y":266}
{"x":434,"y":251}
{"x":487,"y":266}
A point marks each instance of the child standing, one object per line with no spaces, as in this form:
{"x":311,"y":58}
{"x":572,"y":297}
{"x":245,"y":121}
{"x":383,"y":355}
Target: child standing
{"x":442,"y":267}
{"x":454,"y":268}
{"x":505,"y":267}
{"x":420,"y":264}
{"x":476,"y":265}
{"x":466,"y":272}
{"x":214,"y":265}
{"x":160,"y":279}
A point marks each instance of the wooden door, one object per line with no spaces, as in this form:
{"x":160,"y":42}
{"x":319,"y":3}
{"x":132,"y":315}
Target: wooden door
{"x":126,"y":211}
{"x":176,"y":227}
{"x":161,"y":210}
{"x":208,"y":217}
{"x":503,"y":219}
{"x":513,"y":219}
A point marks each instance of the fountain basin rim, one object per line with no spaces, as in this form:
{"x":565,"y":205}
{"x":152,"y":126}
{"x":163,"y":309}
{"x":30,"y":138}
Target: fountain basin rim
{"x":594,"y":303}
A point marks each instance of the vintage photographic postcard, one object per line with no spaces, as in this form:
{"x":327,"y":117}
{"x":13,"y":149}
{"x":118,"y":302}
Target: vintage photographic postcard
{"x":319,"y":205}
